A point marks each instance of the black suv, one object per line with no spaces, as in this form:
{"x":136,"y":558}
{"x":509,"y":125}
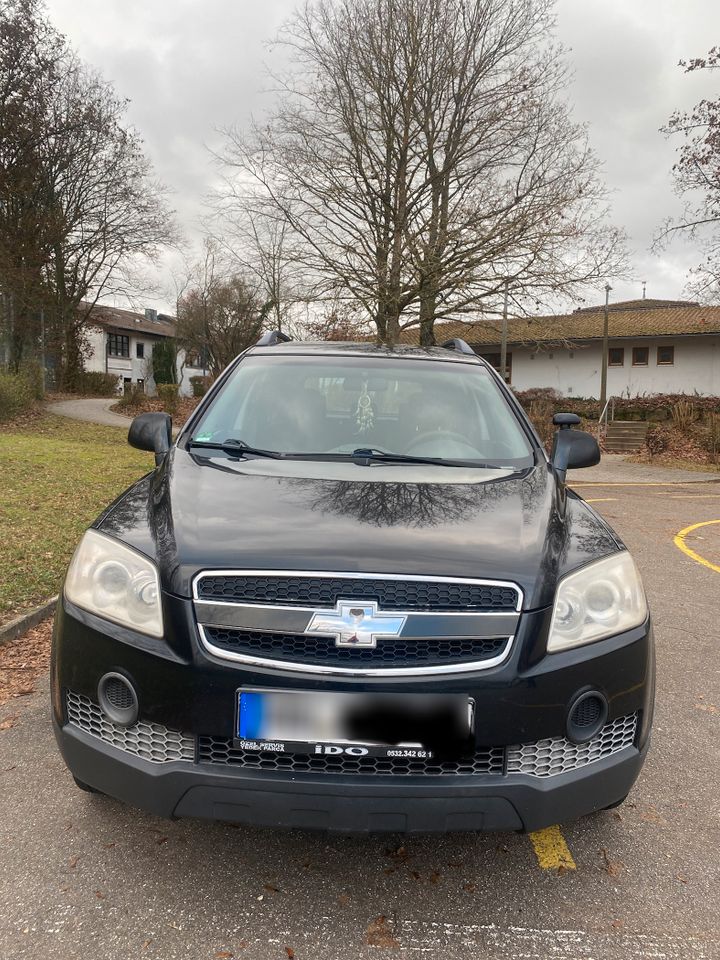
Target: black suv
{"x":355,"y":594}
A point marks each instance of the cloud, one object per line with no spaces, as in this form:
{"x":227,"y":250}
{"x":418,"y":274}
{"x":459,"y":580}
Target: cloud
{"x":189,"y":68}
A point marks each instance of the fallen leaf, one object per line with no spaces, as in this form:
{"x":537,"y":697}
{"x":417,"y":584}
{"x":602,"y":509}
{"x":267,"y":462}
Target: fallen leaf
{"x":707,"y":708}
{"x":290,"y":952}
{"x":613,"y":868}
{"x":651,"y":815}
{"x":681,"y":877}
{"x":161,"y":840}
{"x":400,"y":854}
{"x":470,"y":887}
{"x":9,"y":722}
{"x":270,"y":888}
{"x":73,"y":861}
{"x":224,"y":955}
{"x":434,"y":876}
{"x":618,"y":924}
{"x":343,"y":899}
{"x":145,"y":944}
{"x":99,"y":894}
{"x":109,"y":846}
{"x":379,"y":934}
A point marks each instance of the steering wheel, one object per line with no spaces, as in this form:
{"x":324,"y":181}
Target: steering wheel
{"x":465,"y":451}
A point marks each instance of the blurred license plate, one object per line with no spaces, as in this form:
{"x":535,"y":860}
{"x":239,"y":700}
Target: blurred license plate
{"x":355,"y":724}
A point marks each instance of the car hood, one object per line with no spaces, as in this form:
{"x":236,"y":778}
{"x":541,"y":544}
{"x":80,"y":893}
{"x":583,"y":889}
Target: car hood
{"x":211,"y":512}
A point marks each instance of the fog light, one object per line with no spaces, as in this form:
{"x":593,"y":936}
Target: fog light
{"x":586,"y":716}
{"x":117,"y":699}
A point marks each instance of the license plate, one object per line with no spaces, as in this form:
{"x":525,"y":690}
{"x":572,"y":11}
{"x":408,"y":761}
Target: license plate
{"x":355,"y":724}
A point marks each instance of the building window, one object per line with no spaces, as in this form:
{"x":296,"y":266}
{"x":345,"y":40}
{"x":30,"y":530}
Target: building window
{"x":140,"y":351}
{"x":616,"y":356}
{"x":641,"y":356}
{"x":666,"y":355}
{"x":118,"y":345}
{"x":494,"y":360}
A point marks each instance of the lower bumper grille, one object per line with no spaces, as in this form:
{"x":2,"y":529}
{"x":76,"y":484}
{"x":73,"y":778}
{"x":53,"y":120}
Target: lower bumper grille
{"x":150,"y":741}
{"x":159,"y":744}
{"x":220,"y":750}
{"x":392,"y":652}
{"x":547,"y":758}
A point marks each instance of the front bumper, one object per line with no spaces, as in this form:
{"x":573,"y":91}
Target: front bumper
{"x":185,"y":690}
{"x":512,"y":802}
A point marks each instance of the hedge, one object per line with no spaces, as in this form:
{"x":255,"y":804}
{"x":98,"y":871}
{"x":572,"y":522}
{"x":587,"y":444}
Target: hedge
{"x":18,"y":393}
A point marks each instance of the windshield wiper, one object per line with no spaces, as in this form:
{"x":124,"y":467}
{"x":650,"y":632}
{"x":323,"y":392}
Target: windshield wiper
{"x":374,"y":455}
{"x":235,"y":446}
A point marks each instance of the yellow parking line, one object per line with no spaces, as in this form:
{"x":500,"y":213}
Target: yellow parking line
{"x":689,"y":496}
{"x":602,"y":500}
{"x":680,"y":543}
{"x":551,"y":850}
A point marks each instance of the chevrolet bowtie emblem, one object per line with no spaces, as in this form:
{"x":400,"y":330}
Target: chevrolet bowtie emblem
{"x":355,"y":624}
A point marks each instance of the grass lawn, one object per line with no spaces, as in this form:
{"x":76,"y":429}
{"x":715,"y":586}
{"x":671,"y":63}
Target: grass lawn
{"x":56,"y":475}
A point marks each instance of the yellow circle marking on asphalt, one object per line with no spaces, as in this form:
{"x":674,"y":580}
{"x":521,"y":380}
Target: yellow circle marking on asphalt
{"x":551,"y":850}
{"x":680,"y":543}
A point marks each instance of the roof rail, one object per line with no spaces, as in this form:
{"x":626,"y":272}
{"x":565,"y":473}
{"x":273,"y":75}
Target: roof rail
{"x":272,"y":337}
{"x":460,"y":345}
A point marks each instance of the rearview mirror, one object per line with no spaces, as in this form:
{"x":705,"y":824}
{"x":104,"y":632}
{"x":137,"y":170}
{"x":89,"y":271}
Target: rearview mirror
{"x":572,"y":449}
{"x":151,"y":431}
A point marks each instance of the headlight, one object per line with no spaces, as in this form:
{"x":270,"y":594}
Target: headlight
{"x":600,"y":600}
{"x":113,"y":581}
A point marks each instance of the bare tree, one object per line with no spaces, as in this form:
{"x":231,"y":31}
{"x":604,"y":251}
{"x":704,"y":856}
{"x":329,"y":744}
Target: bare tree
{"x":697,"y":178}
{"x":96,"y":210}
{"x":219,"y":315}
{"x":422,"y":155}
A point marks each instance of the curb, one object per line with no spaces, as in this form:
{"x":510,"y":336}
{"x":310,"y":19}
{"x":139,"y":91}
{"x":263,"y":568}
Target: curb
{"x":15,"y":628}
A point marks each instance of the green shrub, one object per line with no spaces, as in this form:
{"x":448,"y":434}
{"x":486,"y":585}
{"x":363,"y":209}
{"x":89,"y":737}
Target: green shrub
{"x":164,"y":361}
{"x":199,"y":386}
{"x":97,"y":383}
{"x":168,"y":394}
{"x":17,"y":395}
{"x":132,"y":397}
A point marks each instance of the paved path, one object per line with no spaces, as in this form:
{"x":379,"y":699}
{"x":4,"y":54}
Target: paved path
{"x":613,"y":468}
{"x":94,"y":411}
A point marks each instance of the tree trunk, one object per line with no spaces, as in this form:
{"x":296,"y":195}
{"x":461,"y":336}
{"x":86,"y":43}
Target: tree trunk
{"x":427,"y":320}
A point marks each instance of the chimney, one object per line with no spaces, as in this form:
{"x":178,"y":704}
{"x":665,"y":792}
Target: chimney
{"x":151,"y":315}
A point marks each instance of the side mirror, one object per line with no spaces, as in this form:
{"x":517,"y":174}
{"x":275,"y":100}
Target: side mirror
{"x":151,"y":431}
{"x":572,"y":449}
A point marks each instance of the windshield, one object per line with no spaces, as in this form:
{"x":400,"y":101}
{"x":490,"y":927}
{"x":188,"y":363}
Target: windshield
{"x":335,"y":405}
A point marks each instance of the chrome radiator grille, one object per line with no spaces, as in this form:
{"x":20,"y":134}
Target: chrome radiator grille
{"x":324,"y":590}
{"x":356,"y":624}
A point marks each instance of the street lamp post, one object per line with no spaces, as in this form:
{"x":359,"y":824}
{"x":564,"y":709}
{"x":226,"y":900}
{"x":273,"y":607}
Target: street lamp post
{"x":604,"y":370}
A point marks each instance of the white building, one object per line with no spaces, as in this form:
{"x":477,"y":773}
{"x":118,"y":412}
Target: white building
{"x":121,"y":342}
{"x":655,"y":346}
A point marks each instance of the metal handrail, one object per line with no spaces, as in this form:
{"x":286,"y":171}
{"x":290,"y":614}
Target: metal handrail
{"x":609,"y":404}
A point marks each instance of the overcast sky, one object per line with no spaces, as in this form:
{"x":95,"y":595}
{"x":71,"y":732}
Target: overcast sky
{"x":191,"y":66}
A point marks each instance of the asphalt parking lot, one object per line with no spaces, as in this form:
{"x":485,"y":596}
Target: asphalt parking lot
{"x":84,"y":876}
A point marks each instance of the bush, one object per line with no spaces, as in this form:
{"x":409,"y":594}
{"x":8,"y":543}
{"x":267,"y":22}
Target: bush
{"x":164,"y":361}
{"x":98,"y":384}
{"x":168,"y":394}
{"x":199,"y":385}
{"x":657,"y":439}
{"x":17,"y":394}
{"x":131,"y":398}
